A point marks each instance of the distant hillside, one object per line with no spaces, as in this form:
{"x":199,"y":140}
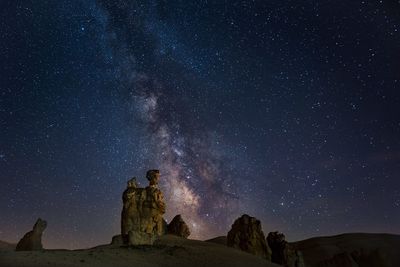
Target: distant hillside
{"x":218,"y":240}
{"x":346,"y":250}
{"x":357,"y":249}
{"x":6,"y":245}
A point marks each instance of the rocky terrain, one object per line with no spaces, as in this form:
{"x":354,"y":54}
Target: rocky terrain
{"x":355,"y":250}
{"x":168,"y":251}
{"x":147,"y":240}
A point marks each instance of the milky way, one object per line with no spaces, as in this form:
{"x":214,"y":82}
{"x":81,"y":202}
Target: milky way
{"x":195,"y":181}
{"x":285,"y":110}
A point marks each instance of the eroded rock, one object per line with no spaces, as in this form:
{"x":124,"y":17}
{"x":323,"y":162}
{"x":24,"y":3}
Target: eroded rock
{"x":282,"y":252}
{"x":246,"y":234}
{"x":178,"y":227}
{"x":140,"y":238}
{"x":33,"y":239}
{"x":143,"y":208}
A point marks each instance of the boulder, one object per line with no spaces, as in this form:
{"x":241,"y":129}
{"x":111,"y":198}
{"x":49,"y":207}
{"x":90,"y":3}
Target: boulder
{"x":282,"y":252}
{"x":178,"y":227}
{"x":142,"y":211}
{"x":117,"y":240}
{"x":33,"y":239}
{"x":246,"y":234}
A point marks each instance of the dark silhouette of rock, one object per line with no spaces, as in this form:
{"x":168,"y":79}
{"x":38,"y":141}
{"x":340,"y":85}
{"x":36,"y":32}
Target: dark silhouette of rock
{"x":178,"y":227}
{"x":117,"y":240}
{"x":143,"y":208}
{"x":164,"y":227}
{"x":276,"y":242}
{"x":246,"y":234}
{"x":33,"y":239}
{"x":282,"y":252}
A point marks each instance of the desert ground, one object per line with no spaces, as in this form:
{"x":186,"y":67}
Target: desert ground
{"x":169,"y":251}
{"x":347,"y":250}
{"x":357,"y":249}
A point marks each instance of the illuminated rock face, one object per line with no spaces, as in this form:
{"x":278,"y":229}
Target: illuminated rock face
{"x":143,"y":208}
{"x":33,"y":239}
{"x":246,"y":234}
{"x":178,"y":227}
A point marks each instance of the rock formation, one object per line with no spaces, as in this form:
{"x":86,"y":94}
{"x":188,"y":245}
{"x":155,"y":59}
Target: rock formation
{"x":143,"y":208}
{"x":178,"y":227}
{"x":246,"y":234}
{"x":282,"y":252}
{"x":117,"y":241}
{"x":33,"y":239}
{"x":276,"y":241}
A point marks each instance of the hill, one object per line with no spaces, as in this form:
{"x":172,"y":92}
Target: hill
{"x":6,"y":246}
{"x":356,"y":250}
{"x":169,"y":251}
{"x":346,"y":250}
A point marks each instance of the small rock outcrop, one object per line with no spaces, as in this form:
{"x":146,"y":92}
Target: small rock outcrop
{"x":282,"y":252}
{"x":143,"y":208}
{"x":33,"y":239}
{"x":117,"y":240}
{"x":178,"y":227}
{"x":246,"y":234}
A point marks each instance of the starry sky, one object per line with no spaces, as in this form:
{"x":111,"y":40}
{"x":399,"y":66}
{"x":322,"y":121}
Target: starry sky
{"x":286,"y":110}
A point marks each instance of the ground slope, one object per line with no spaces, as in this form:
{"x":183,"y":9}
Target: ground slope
{"x":169,"y":251}
{"x":347,"y":250}
{"x":355,"y":250}
{"x":6,"y":246}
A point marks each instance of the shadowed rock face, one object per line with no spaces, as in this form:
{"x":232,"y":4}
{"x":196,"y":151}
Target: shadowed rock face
{"x":246,"y":234}
{"x":178,"y":227}
{"x":143,"y":208}
{"x":282,"y":252}
{"x":33,"y":239}
{"x":276,"y":241}
{"x":117,"y":240}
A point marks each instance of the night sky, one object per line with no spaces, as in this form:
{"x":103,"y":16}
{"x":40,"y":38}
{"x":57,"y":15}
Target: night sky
{"x":286,"y":110}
